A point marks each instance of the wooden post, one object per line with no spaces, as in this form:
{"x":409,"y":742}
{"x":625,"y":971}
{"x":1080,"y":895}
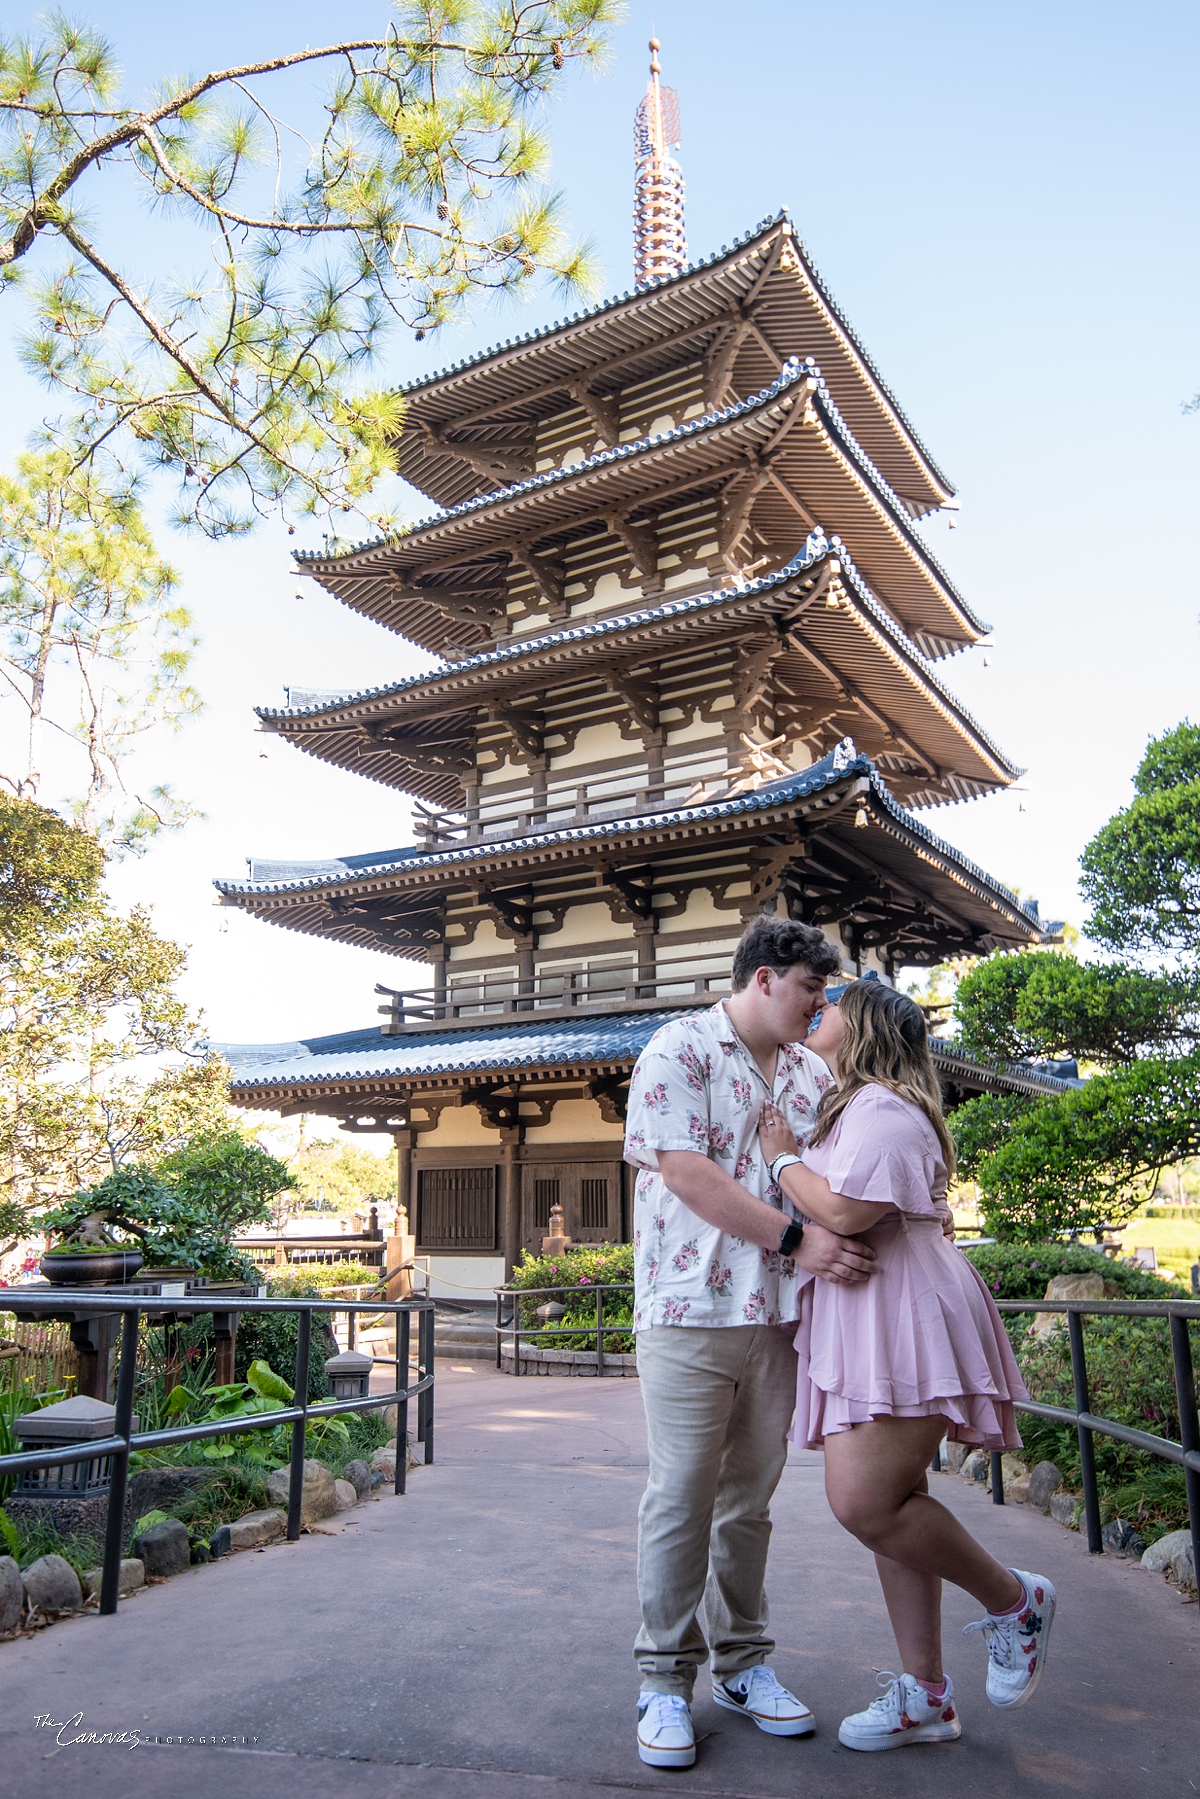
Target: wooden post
{"x":510,"y":1196}
{"x":402,"y":1245}
{"x":95,"y":1338}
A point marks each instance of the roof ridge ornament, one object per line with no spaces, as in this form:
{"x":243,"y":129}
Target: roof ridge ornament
{"x":659,"y":240}
{"x":844,"y":754}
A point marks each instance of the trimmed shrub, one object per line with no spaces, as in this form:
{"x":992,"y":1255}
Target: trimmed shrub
{"x":1022,"y":1270}
{"x":571,"y":1276}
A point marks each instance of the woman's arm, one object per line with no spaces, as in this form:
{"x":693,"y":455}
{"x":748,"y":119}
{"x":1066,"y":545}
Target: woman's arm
{"x":811,"y":1193}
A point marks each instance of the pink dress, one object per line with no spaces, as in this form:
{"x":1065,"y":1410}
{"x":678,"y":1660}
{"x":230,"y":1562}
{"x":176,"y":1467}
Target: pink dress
{"x":922,"y":1336}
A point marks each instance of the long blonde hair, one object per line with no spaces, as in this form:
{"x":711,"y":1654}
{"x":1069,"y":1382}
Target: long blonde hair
{"x":886,"y":1044}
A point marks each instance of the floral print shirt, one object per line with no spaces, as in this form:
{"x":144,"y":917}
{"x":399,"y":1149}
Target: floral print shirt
{"x":696,"y":1086}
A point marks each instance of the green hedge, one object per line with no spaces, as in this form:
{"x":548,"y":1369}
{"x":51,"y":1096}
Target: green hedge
{"x":1022,"y":1271}
{"x":571,"y":1275}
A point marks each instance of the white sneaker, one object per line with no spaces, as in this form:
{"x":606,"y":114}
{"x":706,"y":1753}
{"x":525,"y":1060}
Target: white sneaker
{"x":758,"y":1695}
{"x":904,"y":1713}
{"x":1017,"y":1645}
{"x":665,"y":1737}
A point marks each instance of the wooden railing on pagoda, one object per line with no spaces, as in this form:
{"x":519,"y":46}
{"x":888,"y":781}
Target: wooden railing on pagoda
{"x":675,"y":981}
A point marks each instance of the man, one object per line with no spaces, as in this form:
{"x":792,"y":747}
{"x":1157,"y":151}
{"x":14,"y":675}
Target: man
{"x":718,"y":1259}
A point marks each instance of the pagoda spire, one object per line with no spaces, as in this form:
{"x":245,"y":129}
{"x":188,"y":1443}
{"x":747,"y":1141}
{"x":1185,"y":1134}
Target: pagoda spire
{"x":659,"y":242}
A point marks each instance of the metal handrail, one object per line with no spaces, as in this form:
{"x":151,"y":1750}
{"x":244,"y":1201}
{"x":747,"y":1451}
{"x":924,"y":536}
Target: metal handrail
{"x":513,"y":1322}
{"x":1185,"y":1454}
{"x":127,"y":1441}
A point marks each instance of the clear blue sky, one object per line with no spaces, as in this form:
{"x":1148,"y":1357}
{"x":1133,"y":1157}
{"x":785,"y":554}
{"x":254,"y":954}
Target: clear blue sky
{"x":1003,"y":201}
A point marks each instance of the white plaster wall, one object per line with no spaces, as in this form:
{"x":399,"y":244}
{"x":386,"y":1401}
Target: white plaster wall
{"x":584,"y":926}
{"x":575,"y":1121}
{"x":595,"y":743}
{"x":459,"y":1127}
{"x":486,"y":942}
{"x":700,"y":914}
{"x":465,"y":1277}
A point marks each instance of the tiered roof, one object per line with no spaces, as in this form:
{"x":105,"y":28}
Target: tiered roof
{"x":902,"y":873}
{"x":791,"y":434}
{"x":732,"y":311}
{"x":853,"y":651}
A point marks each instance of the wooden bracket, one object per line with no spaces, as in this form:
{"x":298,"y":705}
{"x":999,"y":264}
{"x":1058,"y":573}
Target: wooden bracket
{"x":501,"y":1110}
{"x":611,"y":1092}
{"x":512,"y":911}
{"x":511,"y":461}
{"x":719,"y":361}
{"x":641,"y":542}
{"x":633,"y":893}
{"x":430,"y":758}
{"x":550,"y":578}
{"x":639,"y":694}
{"x":603,"y":410}
{"x":525,"y":729}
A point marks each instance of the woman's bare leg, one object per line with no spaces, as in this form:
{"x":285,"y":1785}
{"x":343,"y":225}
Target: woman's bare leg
{"x":876,"y":1486}
{"x":914,"y":1603}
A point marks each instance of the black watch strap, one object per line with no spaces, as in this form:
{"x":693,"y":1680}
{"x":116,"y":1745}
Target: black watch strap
{"x":790,"y":1240}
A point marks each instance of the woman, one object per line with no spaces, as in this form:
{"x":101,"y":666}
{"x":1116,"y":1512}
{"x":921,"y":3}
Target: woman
{"x":888,"y":1367}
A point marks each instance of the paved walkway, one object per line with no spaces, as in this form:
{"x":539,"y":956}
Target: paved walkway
{"x":471,"y":1641}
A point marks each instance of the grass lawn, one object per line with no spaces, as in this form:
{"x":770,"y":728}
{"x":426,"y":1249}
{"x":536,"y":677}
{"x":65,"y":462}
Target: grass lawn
{"x":1177,"y":1241}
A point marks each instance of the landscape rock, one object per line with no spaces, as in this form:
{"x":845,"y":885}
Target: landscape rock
{"x":1044,"y":1481}
{"x":1065,"y":1286}
{"x":1172,"y":1555}
{"x":52,"y":1585}
{"x":1018,"y":1492}
{"x":219,"y":1543}
{"x":383,"y":1465}
{"x":164,"y":1548}
{"x":317,"y":1497}
{"x":359,"y":1475}
{"x":161,"y":1489}
{"x":1013,"y":1469}
{"x":1065,"y":1509}
{"x":954,"y":1455}
{"x":12,"y":1594}
{"x":133,"y":1576}
{"x":201,"y":1553}
{"x":255,"y":1528}
{"x":347,"y":1494}
{"x":977,"y":1466}
{"x":1119,"y":1535}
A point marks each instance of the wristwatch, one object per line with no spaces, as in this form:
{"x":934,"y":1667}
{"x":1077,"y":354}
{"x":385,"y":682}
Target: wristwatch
{"x":789,"y":1243}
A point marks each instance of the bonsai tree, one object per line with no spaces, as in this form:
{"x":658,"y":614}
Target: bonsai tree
{"x":183,"y":1212}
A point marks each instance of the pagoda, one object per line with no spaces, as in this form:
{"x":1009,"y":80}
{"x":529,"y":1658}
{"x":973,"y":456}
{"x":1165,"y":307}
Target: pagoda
{"x":688,"y":637}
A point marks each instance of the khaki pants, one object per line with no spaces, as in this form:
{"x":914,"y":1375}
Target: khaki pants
{"x":718,"y":1405}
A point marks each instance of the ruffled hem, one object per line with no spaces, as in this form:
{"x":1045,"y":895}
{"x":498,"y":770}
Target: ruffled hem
{"x":984,"y":1420}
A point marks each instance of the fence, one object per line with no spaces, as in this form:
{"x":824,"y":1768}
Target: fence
{"x":512,"y":1323}
{"x":125,"y":1440}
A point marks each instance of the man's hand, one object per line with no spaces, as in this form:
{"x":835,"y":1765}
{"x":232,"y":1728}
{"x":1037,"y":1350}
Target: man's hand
{"x":843,"y":1260}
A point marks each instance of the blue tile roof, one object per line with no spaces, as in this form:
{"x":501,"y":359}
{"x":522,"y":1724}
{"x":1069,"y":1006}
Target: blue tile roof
{"x":840,"y":764}
{"x":794,"y":371}
{"x":816,"y":548}
{"x":666,"y":282}
{"x":616,"y":1037}
{"x":369,"y":1055}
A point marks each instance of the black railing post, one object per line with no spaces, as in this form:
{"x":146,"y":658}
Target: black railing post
{"x":296,"y":1477}
{"x":425,"y":1331}
{"x":1087,"y":1449}
{"x":996,"y":1471}
{"x":516,"y":1324}
{"x":403,"y":1353}
{"x":114,"y":1523}
{"x":1189,"y":1427}
{"x":599,"y":1332}
{"x":499,"y":1326}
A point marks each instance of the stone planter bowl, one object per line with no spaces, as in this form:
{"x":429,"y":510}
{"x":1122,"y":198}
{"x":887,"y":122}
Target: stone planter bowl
{"x":90,"y":1269}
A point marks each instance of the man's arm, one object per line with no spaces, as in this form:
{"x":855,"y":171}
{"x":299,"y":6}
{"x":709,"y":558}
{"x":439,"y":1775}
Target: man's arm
{"x":719,"y":1200}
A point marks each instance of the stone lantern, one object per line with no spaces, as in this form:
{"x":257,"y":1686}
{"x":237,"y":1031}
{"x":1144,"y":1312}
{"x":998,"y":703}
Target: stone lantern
{"x":77,"y":1420}
{"x":349,"y":1374}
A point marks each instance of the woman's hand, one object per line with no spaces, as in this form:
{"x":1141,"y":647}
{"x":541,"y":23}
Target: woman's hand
{"x":775,"y":1134}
